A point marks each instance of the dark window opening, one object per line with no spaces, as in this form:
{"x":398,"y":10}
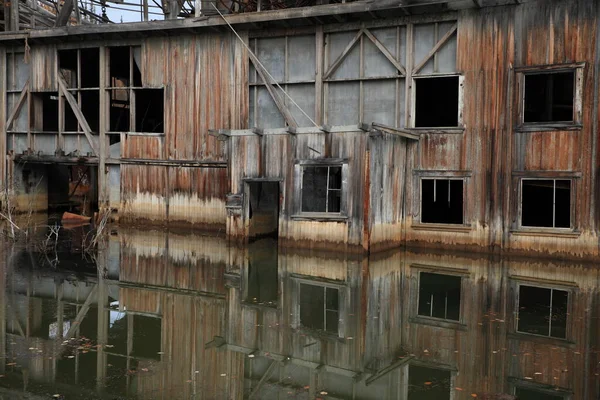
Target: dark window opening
{"x":149,"y":110}
{"x":67,"y":64}
{"x":549,"y":97}
{"x":147,"y":332}
{"x":90,"y":68}
{"x":71,"y":123}
{"x":530,"y":394}
{"x":543,"y":311}
{"x":119,"y":65}
{"x":442,"y":201}
{"x":322,"y":189}
{"x":428,"y":383}
{"x":119,"y":110}
{"x":262,"y":272}
{"x":45,"y":112}
{"x":319,"y":308}
{"x":546,"y":203}
{"x":114,"y":139}
{"x":90,"y":107}
{"x":436,"y":102}
{"x":439,"y":296}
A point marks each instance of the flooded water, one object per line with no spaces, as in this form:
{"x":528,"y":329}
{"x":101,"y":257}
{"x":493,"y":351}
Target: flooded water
{"x":164,"y":315}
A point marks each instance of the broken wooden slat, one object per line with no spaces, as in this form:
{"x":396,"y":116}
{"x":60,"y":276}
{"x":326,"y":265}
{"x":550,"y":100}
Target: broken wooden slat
{"x":396,"y":131}
{"x":17,"y":107}
{"x":381,"y":373}
{"x":78,"y":113}
{"x":385,"y":52}
{"x":437,"y":46}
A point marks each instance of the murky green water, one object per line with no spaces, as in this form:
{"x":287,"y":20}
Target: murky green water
{"x":164,"y":315}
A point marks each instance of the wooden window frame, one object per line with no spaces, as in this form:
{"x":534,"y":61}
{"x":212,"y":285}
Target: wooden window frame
{"x":343,"y":302}
{"x":415,"y":317}
{"x":298,"y":175}
{"x":576,"y":123}
{"x":522,"y":228}
{"x":544,"y":285}
{"x":413,"y":100}
{"x":464,"y":178}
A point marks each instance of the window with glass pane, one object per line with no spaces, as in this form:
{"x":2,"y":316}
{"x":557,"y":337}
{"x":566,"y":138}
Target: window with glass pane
{"x":439,"y":296}
{"x":321,"y":189}
{"x":546,"y":203}
{"x":543,"y":311}
{"x":319,"y":308}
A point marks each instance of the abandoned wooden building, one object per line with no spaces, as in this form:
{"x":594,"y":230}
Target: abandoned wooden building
{"x":352,"y":125}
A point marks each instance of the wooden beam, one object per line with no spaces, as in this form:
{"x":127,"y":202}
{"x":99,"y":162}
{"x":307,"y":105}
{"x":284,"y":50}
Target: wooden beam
{"x":385,"y":52}
{"x":287,"y":115}
{"x":78,"y":113}
{"x":437,"y":46}
{"x":64,"y":14}
{"x":263,"y":379}
{"x":396,"y":131}
{"x":381,"y":373}
{"x":17,"y":107}
{"x":342,"y":56}
{"x":81,"y":314}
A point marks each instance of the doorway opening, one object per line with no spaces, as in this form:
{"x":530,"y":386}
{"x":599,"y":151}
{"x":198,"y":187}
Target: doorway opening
{"x":263,"y":209}
{"x":73,"y":188}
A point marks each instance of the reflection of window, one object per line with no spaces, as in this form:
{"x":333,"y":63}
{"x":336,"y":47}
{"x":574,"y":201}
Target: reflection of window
{"x":546,"y":203}
{"x":321,"y":189}
{"x":436,"y":102}
{"x":428,"y":383}
{"x":319,"y":307}
{"x":530,"y":394}
{"x":543,"y":311}
{"x":442,"y":201}
{"x":439,"y":296}
{"x":549,"y":97}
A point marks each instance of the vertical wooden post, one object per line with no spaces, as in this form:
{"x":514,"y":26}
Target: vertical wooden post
{"x":145,"y":9}
{"x":14,"y":15}
{"x":3,"y":135}
{"x":103,"y":151}
{"x":320,"y":44}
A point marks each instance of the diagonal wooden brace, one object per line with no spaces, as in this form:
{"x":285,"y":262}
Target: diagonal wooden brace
{"x":62,"y":84}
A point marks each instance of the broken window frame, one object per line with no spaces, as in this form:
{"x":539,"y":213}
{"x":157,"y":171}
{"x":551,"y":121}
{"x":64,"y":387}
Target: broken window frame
{"x":572,"y":210}
{"x":131,"y":89}
{"x":442,"y":176}
{"x":459,"y":128}
{"x":298,"y":175}
{"x":343,"y":305}
{"x":521,"y":74}
{"x":446,"y":298}
{"x":415,"y":275}
{"x":544,"y":285}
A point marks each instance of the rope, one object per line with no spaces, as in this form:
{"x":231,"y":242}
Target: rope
{"x":26,"y":55}
{"x":263,"y":67}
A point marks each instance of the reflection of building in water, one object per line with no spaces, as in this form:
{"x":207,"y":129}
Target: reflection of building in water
{"x":418,"y":326}
{"x":174,"y":316}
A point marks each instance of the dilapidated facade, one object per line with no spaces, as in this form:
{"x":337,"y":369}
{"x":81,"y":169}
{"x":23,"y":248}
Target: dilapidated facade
{"x":355,"y":126}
